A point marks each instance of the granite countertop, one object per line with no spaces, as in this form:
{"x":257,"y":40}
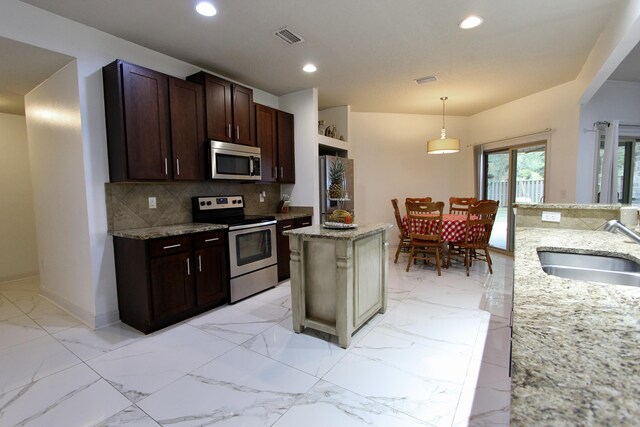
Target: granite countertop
{"x":188,"y":228}
{"x":576,"y":352}
{"x":318,"y":231}
{"x":594,"y":206}
{"x":166,"y":230}
{"x":283,"y":216}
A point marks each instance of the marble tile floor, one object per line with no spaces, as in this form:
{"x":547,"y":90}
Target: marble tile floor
{"x":438,"y":357}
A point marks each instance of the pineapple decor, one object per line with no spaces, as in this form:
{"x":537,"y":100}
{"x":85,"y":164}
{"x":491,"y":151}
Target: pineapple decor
{"x":336,"y":178}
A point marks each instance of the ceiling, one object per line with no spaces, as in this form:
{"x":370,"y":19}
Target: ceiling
{"x":368,"y":53}
{"x":22,"y":68}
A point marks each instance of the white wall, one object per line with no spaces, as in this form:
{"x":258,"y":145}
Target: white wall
{"x":556,"y":108}
{"x":338,"y":117}
{"x":392,"y":162}
{"x":18,"y":249}
{"x":304,"y":105}
{"x":55,"y":152}
{"x":614,"y":100}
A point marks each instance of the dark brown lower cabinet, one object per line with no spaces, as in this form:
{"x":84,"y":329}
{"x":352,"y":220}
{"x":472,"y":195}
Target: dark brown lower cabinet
{"x":163,"y":281}
{"x":284,"y":271}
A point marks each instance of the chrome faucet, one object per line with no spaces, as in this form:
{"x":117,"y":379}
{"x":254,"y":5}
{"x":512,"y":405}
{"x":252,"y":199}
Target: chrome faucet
{"x":615,"y":225}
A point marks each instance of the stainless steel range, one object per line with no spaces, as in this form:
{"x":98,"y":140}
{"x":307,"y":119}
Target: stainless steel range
{"x":253,"y":254}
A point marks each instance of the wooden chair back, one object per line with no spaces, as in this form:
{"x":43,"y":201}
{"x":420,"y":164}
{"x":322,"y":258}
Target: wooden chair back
{"x":460,"y":205}
{"x":417,"y":211}
{"x":396,"y":213}
{"x":418,"y":200}
{"x":480,"y":219}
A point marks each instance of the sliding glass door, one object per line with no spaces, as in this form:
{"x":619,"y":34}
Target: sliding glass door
{"x":513,"y":175}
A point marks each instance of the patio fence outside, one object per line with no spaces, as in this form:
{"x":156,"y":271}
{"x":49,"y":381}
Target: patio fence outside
{"x":527,"y":191}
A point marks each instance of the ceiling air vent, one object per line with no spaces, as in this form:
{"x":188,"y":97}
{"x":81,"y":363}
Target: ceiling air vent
{"x":428,"y":79}
{"x":288,"y":36}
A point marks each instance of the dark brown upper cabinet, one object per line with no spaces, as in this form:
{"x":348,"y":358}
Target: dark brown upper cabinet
{"x":228,"y":110}
{"x":155,"y":125}
{"x":187,"y":129}
{"x":274,"y":135}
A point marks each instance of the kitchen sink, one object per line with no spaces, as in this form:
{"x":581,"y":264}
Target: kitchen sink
{"x":592,"y":268}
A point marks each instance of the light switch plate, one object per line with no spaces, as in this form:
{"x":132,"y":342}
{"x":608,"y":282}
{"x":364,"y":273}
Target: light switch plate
{"x":152,"y":202}
{"x":551,"y":216}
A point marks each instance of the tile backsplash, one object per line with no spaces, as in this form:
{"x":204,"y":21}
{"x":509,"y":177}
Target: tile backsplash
{"x":128,"y":203}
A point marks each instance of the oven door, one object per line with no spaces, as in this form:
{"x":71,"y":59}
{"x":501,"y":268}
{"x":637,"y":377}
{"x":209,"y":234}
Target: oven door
{"x":252,"y":247}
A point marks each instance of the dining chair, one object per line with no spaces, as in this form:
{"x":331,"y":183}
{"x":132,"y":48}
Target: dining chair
{"x":460,"y":205}
{"x":480,"y":219}
{"x":418,"y":200}
{"x":404,"y":238}
{"x":425,"y":243}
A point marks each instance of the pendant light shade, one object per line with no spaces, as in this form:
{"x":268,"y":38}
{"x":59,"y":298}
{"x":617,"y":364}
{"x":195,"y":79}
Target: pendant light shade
{"x":443,"y":145}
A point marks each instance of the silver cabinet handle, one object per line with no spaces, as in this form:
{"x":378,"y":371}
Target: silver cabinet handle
{"x":172,"y":246}
{"x":284,"y":227}
{"x":211,"y":240}
{"x":178,"y":166}
{"x":281,"y":172}
{"x":229,"y":131}
{"x":275,"y":171}
{"x":166,"y":166}
{"x":305,"y":223}
{"x":237,"y":131}
{"x":200,"y":263}
{"x":188,"y":267}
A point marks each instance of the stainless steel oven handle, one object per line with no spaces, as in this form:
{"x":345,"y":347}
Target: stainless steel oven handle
{"x":254,"y":225}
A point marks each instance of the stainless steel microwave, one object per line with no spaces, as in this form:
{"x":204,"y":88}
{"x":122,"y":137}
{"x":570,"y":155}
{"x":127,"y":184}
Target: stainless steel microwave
{"x":234,"y":161}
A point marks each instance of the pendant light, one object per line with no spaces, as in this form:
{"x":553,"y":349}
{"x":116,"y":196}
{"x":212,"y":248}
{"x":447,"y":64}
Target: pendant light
{"x":443,"y":145}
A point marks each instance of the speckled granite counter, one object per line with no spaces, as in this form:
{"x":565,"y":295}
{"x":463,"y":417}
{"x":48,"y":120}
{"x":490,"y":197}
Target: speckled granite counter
{"x":341,"y":234}
{"x":166,"y":230}
{"x":292,"y":215}
{"x":576,"y":352}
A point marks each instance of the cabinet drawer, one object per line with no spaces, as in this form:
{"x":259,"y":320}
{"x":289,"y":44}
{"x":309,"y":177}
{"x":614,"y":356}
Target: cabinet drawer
{"x":169,"y":245}
{"x":285,"y":224}
{"x":207,"y":239}
{"x":303,"y":222}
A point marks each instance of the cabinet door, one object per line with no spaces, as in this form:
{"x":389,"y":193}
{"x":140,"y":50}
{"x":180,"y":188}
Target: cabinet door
{"x":266,"y":135}
{"x":286,"y":155}
{"x":146,"y":111}
{"x":284,"y":270}
{"x":218,"y":108}
{"x":171,"y":285}
{"x":187,"y":130}
{"x":243,"y":119}
{"x":212,"y":284}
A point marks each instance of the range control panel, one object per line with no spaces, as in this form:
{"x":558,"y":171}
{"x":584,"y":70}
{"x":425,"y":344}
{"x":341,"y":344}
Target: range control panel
{"x":220,"y":202}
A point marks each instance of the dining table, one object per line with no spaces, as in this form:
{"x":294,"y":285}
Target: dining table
{"x":453,"y":226}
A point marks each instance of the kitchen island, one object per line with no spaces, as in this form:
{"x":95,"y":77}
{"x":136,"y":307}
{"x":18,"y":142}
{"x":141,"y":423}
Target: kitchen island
{"x":576,"y":358}
{"x":338,"y":278}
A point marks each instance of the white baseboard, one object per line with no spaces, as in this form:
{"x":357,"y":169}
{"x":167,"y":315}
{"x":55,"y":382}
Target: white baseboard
{"x":18,"y":277}
{"x":89,"y":319}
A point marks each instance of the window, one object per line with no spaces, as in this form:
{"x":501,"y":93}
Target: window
{"x":628,"y":169}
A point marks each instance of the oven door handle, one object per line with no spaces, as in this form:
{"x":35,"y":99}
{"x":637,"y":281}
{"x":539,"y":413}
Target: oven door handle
{"x":254,"y":225}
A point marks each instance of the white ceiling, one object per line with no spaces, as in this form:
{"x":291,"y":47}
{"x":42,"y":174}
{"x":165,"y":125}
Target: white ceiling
{"x":368,"y":52}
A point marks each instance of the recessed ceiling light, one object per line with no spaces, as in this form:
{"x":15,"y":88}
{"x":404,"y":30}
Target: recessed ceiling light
{"x":205,"y":8}
{"x":309,"y":68}
{"x":470,"y":22}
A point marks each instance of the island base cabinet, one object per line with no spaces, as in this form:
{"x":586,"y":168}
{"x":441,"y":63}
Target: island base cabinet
{"x":337,"y":285}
